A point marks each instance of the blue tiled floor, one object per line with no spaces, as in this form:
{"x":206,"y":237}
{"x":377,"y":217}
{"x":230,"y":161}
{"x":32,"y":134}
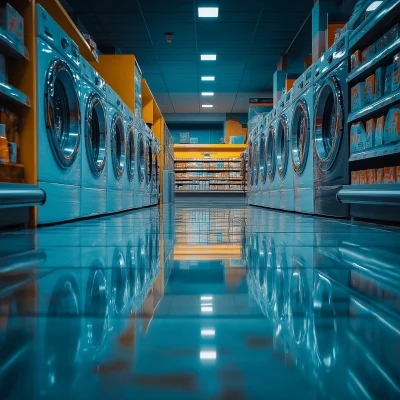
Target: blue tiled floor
{"x":201,"y":303}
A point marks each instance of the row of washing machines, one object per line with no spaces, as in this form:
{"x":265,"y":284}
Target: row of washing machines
{"x":94,"y":155}
{"x":298,"y":154}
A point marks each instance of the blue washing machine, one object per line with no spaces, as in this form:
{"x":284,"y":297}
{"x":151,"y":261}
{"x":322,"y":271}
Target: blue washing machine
{"x":271,"y":120}
{"x":59,"y":121}
{"x":141,"y":157}
{"x":155,"y":175}
{"x":148,"y":135}
{"x":94,"y":142}
{"x":259,"y":157}
{"x":302,"y":142}
{"x":128,"y":183}
{"x":262,"y":155}
{"x":331,"y":137}
{"x":254,"y":167}
{"x":116,"y":152}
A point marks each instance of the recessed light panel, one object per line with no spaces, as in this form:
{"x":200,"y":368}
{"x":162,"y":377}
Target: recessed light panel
{"x":207,"y":94}
{"x":208,"y":57}
{"x":208,"y":12}
{"x":208,"y":78}
{"x":207,"y":106}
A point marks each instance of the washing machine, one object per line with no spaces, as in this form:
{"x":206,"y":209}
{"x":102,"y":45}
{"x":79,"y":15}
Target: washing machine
{"x":116,"y":152}
{"x":128,"y":184}
{"x":272,"y":174}
{"x":302,"y":142}
{"x":148,"y":135}
{"x":140,"y":165}
{"x":94,"y":142}
{"x":251,"y":161}
{"x":331,"y":137}
{"x":265,"y":197}
{"x":155,"y":176}
{"x":283,"y":163}
{"x":263,"y":182}
{"x":59,"y":121}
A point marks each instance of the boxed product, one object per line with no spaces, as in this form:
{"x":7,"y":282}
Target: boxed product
{"x":379,"y":175}
{"x":389,"y":175}
{"x":355,"y":60}
{"x":388,"y":79}
{"x":365,"y":55}
{"x":396,"y":72}
{"x":380,"y":43}
{"x":379,"y":82}
{"x":357,"y":137}
{"x":357,"y":96}
{"x":371,"y":176}
{"x":380,"y":128}
{"x":392,"y":126}
{"x":370,"y":128}
{"x":12,"y":23}
{"x":364,"y":177}
{"x":355,"y":177}
{"x":393,"y":35}
{"x":398,"y":174}
{"x":369,"y":89}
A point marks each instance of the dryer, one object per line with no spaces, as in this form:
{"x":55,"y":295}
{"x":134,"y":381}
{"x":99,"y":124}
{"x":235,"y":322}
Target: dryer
{"x":331,"y":137}
{"x":94,"y":143}
{"x":116,"y":152}
{"x":59,"y":121}
{"x":302,"y":142}
{"x":285,"y":201}
{"x":128,"y":185}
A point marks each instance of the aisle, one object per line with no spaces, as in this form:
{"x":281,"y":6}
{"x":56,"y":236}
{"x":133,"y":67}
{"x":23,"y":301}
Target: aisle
{"x":195,"y":302}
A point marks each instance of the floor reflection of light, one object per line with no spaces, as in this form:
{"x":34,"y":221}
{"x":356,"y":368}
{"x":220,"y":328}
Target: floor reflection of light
{"x":207,"y":332}
{"x":206,"y":298}
{"x":208,"y":355}
{"x":206,"y":309}
{"x":206,"y":304}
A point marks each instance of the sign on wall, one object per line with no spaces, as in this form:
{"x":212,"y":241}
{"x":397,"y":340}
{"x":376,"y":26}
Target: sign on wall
{"x":184,"y":137}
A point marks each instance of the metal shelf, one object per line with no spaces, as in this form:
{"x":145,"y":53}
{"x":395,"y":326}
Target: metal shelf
{"x":208,"y":179}
{"x":8,"y":46}
{"x":380,"y":59}
{"x":392,"y":148}
{"x":375,"y":108}
{"x":207,"y":160}
{"x":12,"y":94}
{"x":210,"y":191}
{"x":380,"y":194}
{"x":207,"y":170}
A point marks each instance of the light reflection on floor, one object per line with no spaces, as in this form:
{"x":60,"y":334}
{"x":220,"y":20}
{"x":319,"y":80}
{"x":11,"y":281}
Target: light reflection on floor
{"x":200,"y":303}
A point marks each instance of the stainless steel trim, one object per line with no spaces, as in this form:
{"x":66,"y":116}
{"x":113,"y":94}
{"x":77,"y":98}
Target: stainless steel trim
{"x":131,"y":153}
{"x":13,"y":195}
{"x":271,"y":154}
{"x":96,"y":128}
{"x":300,"y":135}
{"x":62,"y":113}
{"x":118,"y":145}
{"x":282,"y":145}
{"x":327,"y":151}
{"x":367,"y":195}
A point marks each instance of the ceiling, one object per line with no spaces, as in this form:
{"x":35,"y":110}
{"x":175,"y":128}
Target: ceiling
{"x":248,"y":37}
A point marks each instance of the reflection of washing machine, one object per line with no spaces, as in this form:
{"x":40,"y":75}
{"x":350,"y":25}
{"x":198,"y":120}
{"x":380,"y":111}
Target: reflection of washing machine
{"x":301,"y":142}
{"x":331,"y":141}
{"x":262,"y":157}
{"x":59,"y":121}
{"x":283,"y":163}
{"x":94,"y":142}
{"x":149,"y":161}
{"x":128,"y":187}
{"x":116,"y":152}
{"x":272,"y":178}
{"x":155,"y":178}
{"x":250,"y":183}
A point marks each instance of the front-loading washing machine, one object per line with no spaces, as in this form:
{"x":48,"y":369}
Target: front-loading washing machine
{"x":94,"y":142}
{"x":59,"y":121}
{"x":251,"y":170}
{"x":265,"y":198}
{"x":273,"y":179}
{"x":263,"y":182}
{"x":331,"y":137}
{"x":155,"y":176}
{"x":141,"y":170}
{"x":302,"y":142}
{"x":116,"y":152}
{"x":283,"y":163}
{"x":128,"y":185}
{"x":148,"y":134}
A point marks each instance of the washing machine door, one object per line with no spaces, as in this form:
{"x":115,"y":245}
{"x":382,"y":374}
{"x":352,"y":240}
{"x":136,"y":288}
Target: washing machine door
{"x":282,"y":145}
{"x":62,"y":113}
{"x":141,"y":158}
{"x":96,"y":135}
{"x":118,"y":146}
{"x":131,"y":153}
{"x":271,"y":155}
{"x":300,"y":136}
{"x":262,"y":156}
{"x":328,"y":122}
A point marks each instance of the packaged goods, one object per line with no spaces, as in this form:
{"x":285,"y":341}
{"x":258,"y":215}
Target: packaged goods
{"x":355,"y":60}
{"x":398,"y":174}
{"x":369,"y":90}
{"x":365,"y":55}
{"x":355,"y":177}
{"x":12,"y":152}
{"x":12,"y":23}
{"x":357,"y":137}
{"x":389,"y":176}
{"x":379,"y":82}
{"x":4,"y":155}
{"x":370,"y":133}
{"x":357,"y":96}
{"x":388,"y":79}
{"x":379,"y":175}
{"x":392,"y":126}
{"x":364,"y":177}
{"x":380,"y":128}
{"x":396,"y":72}
{"x":371,"y":176}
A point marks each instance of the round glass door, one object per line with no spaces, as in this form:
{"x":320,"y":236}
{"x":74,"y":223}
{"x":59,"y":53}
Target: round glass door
{"x":131,"y":153}
{"x":271,"y":157}
{"x":282,"y":145}
{"x":118,"y":146}
{"x":142,"y":156}
{"x":62,"y":114}
{"x":328,"y":122}
{"x":96,"y":134}
{"x":263,"y":174}
{"x":300,"y":136}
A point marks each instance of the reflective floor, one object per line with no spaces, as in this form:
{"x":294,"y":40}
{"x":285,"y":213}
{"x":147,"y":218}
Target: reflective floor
{"x":201,"y":303}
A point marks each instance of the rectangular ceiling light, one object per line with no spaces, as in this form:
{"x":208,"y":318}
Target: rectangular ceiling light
{"x":208,"y":57}
{"x":206,"y":309}
{"x":208,"y":332}
{"x":207,"y":106}
{"x":208,"y":78}
{"x":373,"y":6}
{"x":207,"y":93}
{"x":208,"y":12}
{"x":208,"y":355}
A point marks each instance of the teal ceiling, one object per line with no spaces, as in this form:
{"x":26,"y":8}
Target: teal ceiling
{"x":248,"y":37}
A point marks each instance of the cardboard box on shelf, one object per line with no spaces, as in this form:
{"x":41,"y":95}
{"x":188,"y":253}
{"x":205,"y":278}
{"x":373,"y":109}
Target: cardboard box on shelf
{"x":364,"y":177}
{"x":389,"y":175}
{"x":369,"y":90}
{"x":357,"y":137}
{"x":380,"y":128}
{"x":355,"y":177}
{"x":365,"y":55}
{"x":379,"y":82}
{"x":380,"y":175}
{"x":357,"y":96}
{"x":372,"y":176}
{"x":396,"y":72}
{"x":12,"y":23}
{"x":388,"y":79}
{"x":370,"y":133}
{"x":355,"y":60}
{"x":392,"y":126}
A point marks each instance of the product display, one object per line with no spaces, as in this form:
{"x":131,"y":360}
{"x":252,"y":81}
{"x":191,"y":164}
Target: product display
{"x":379,"y":82}
{"x":369,"y":90}
{"x":12,"y":23}
{"x":357,"y":96}
{"x":370,"y":134}
{"x":392,"y":126}
{"x":4,"y":153}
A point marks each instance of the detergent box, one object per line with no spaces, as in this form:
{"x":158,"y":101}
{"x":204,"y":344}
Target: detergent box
{"x":371,"y":176}
{"x":370,"y":128}
{"x":379,"y":82}
{"x":398,"y":174}
{"x":364,"y":177}
{"x":379,"y":129}
{"x":369,"y":90}
{"x":355,"y":177}
{"x":355,"y":60}
{"x":389,"y":175}
{"x":357,"y":96}
{"x":357,"y":137}
{"x":388,"y":79}
{"x":396,"y":72}
{"x":365,"y":55}
{"x":391,"y":133}
{"x":12,"y":23}
{"x":379,"y":175}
